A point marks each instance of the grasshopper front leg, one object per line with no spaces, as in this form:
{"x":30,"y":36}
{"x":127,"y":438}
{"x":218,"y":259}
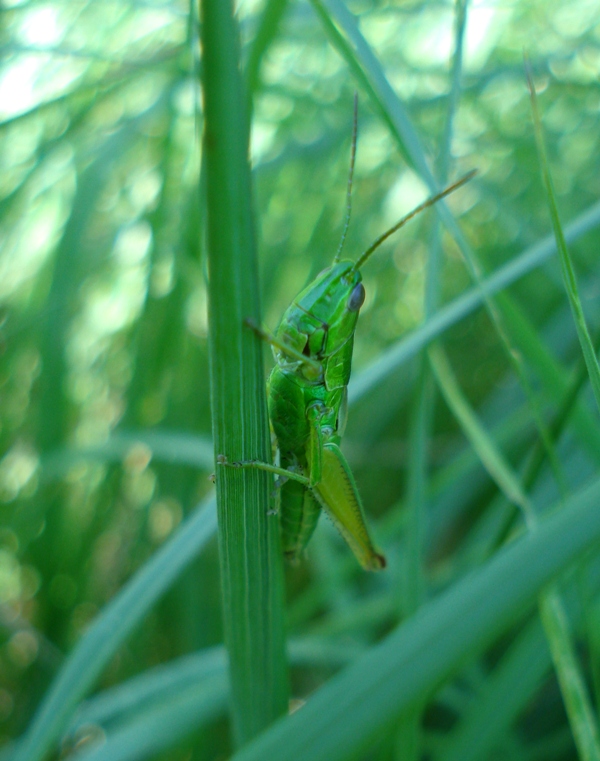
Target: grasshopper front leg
{"x":314,"y":367}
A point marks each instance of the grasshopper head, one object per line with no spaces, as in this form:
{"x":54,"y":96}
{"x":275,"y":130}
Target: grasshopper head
{"x":336,"y":294}
{"x":322,"y":318}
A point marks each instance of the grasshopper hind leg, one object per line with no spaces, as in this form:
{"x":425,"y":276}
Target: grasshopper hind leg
{"x":340,"y":499}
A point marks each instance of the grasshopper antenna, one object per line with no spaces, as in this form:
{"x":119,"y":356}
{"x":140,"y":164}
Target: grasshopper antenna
{"x":421,"y":207}
{"x":336,"y":258}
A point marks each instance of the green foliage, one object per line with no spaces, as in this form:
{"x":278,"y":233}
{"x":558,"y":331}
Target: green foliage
{"x":472,"y":432}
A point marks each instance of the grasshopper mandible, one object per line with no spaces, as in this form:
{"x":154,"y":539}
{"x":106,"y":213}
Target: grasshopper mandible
{"x":307,"y":399}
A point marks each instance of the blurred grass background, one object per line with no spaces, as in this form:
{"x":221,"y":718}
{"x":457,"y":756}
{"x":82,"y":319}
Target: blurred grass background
{"x":105,"y":437}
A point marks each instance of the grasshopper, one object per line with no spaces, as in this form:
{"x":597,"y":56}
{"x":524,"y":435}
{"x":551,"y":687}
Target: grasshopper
{"x":307,"y":400}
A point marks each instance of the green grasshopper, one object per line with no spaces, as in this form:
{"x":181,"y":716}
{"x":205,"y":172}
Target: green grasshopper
{"x":307,"y":400}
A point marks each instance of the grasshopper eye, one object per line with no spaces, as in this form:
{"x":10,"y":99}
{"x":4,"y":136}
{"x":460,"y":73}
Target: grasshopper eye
{"x":357,"y":298}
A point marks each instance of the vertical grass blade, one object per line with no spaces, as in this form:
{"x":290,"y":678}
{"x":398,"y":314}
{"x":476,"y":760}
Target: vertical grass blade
{"x":408,"y":739}
{"x":267,"y":31}
{"x":251,"y":565}
{"x":573,"y":687}
{"x":568,"y":271}
{"x":571,"y":680}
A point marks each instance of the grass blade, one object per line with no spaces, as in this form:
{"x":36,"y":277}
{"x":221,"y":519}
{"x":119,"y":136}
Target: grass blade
{"x":408,"y":739}
{"x":566,"y":264}
{"x":506,"y":693}
{"x":571,"y":680}
{"x":249,"y":543}
{"x":155,"y":685}
{"x":343,"y":716}
{"x":492,"y":460}
{"x":159,"y":727}
{"x":111,"y":629}
{"x":166,"y":446}
{"x":553,"y":615}
{"x":462,"y":306}
{"x":177,"y":698}
{"x":270,"y":19}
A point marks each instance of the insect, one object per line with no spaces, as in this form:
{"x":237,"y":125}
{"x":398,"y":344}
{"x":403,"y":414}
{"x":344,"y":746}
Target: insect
{"x":307,"y":399}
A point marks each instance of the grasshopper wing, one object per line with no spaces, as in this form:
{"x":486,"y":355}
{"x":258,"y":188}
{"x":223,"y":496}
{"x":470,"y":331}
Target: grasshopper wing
{"x":337,"y":493}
